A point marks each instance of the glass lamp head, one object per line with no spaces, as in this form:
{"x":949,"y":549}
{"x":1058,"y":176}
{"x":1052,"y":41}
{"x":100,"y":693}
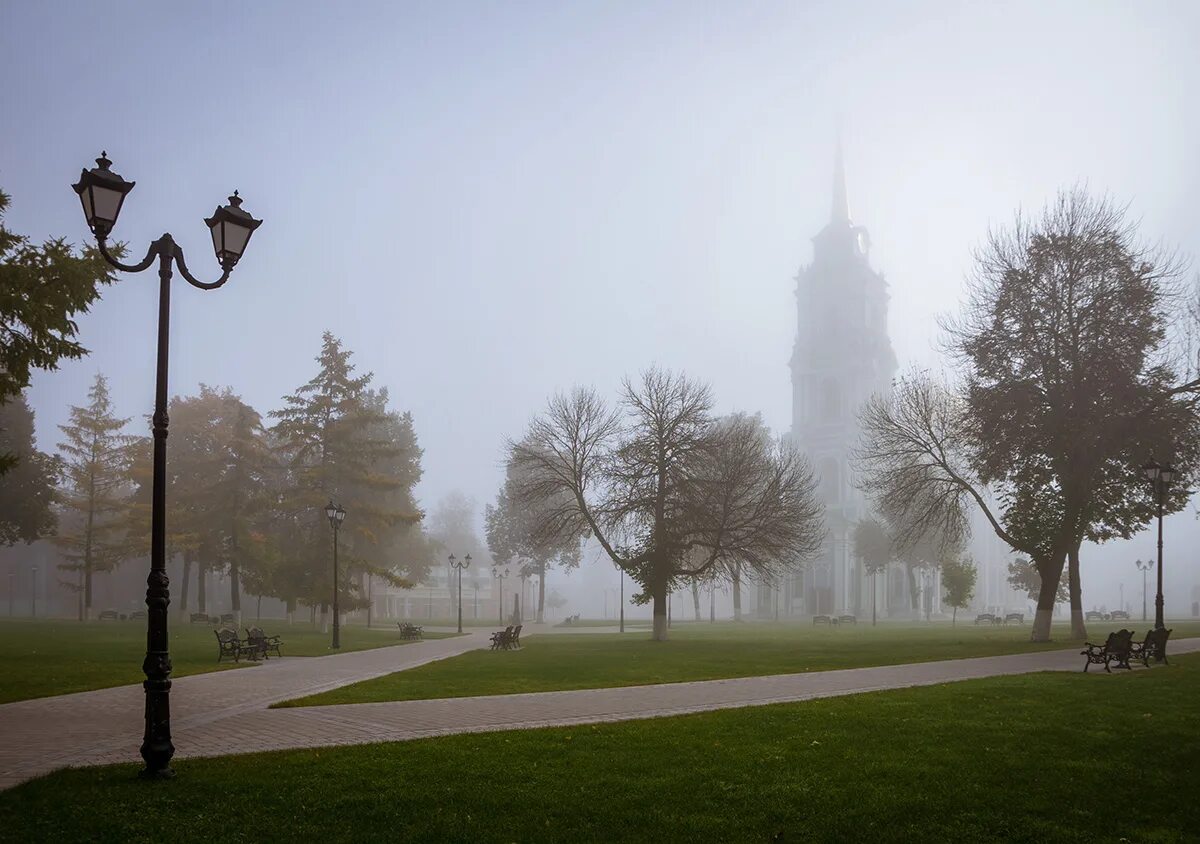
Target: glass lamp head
{"x":231,"y":228}
{"x":101,"y":193}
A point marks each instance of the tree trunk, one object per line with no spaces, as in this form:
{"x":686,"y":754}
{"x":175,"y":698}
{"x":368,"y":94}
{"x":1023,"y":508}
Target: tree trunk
{"x":183,"y":591}
{"x":324,"y":618}
{"x":201,"y":592}
{"x":954,"y":618}
{"x":541,"y":609}
{"x":87,"y":563}
{"x":1078,"y":627}
{"x":258,"y":612}
{"x":874,"y":596}
{"x":235,"y":586}
{"x":696,"y":597}
{"x":737,"y":593}
{"x":1051,"y":572}
{"x":660,"y":613}
{"x":87,"y":593}
{"x":291,"y":611}
{"x":370,"y":601}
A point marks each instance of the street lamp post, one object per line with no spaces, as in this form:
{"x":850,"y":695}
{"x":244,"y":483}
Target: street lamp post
{"x":924,"y":570}
{"x":33,"y":592}
{"x":1160,"y":478}
{"x":1144,"y":566}
{"x":102,"y":193}
{"x":622,"y":630}
{"x":464,"y":563}
{"x":336,"y":516}
{"x":500,"y":574}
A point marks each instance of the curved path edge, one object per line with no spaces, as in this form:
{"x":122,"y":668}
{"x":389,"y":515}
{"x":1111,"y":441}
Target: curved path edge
{"x":247,"y":726}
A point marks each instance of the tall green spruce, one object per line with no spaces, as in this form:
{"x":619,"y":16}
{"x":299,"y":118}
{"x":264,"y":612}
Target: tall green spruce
{"x":96,"y":457}
{"x":338,"y":442}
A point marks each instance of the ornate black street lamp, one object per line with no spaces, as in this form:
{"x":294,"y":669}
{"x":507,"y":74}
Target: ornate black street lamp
{"x":1160,"y":478}
{"x":464,"y":563}
{"x":500,"y":574}
{"x":336,"y":516}
{"x":622,"y":571}
{"x":1143,"y":567}
{"x":102,"y":193}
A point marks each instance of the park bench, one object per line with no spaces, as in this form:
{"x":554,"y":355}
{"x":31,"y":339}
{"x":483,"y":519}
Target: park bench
{"x":137,"y":615}
{"x":1117,"y":649}
{"x":516,"y":637}
{"x":820,"y":619}
{"x":1118,"y":615}
{"x":501,"y":637}
{"x":1154,"y":646}
{"x":227,"y":618}
{"x":410,"y":631}
{"x":847,"y":619}
{"x":264,"y":643}
{"x":230,"y":645}
{"x":1015,"y":618}
{"x":199,"y":618}
{"x":985,"y":618}
{"x":108,"y":615}
{"x":1092,"y":615}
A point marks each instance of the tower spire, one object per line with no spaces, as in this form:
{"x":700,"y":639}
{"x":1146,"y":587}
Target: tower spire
{"x":840,"y":212}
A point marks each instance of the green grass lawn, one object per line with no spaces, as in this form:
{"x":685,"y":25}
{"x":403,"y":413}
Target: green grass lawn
{"x":52,"y":657}
{"x":694,"y":652}
{"x":1036,"y":758}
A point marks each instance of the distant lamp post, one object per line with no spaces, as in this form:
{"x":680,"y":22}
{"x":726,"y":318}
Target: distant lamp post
{"x":464,"y":563}
{"x":825,"y":569}
{"x":336,"y":516}
{"x":1160,"y":478}
{"x":102,"y":192}
{"x":1144,"y":566}
{"x":622,"y":630}
{"x":925,"y":602}
{"x":500,"y":574}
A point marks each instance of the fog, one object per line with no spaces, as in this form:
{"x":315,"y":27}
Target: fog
{"x":491,"y":202}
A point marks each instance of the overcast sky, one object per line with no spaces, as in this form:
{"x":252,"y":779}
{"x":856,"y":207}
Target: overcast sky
{"x":489,"y":202}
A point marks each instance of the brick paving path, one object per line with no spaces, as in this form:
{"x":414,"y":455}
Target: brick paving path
{"x":105,"y":726}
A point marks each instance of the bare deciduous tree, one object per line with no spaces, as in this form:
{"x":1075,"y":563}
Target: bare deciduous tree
{"x":1069,"y":386}
{"x":669,"y":492}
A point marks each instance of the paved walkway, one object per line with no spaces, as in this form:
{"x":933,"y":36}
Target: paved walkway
{"x":226,"y":712}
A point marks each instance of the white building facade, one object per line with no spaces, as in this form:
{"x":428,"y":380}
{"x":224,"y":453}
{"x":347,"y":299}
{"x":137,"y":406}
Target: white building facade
{"x":842,"y":356}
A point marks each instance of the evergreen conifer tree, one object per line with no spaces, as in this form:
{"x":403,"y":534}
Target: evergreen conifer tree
{"x":339,"y":443}
{"x":96,"y":456}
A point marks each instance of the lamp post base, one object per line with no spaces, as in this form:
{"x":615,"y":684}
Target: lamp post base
{"x":161,"y":774}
